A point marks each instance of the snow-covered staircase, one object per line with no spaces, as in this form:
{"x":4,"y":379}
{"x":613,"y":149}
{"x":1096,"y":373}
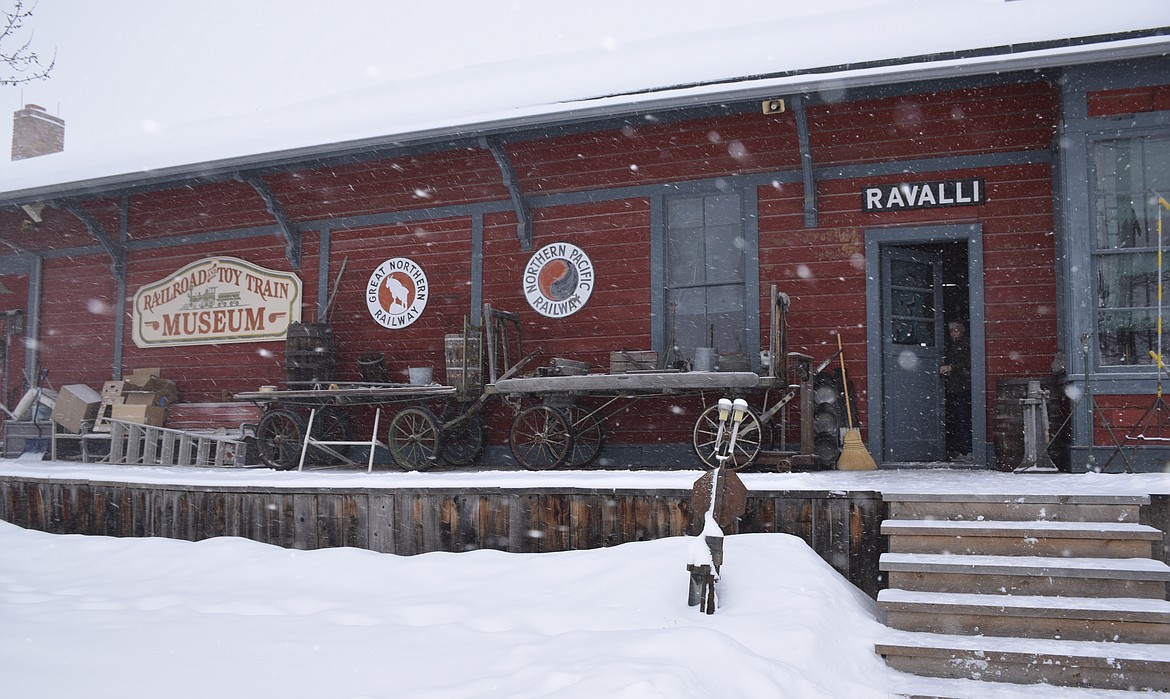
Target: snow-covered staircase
{"x":1025,"y":589}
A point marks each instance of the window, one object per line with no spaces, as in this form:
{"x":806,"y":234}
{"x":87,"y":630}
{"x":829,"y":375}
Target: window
{"x":1128,"y":173}
{"x":705,"y":272}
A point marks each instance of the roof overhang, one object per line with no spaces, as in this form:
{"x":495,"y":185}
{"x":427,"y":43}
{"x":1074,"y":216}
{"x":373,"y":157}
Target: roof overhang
{"x":1151,"y":43}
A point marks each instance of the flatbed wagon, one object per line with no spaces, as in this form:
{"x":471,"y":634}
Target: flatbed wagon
{"x":563,"y":421}
{"x":309,"y":422}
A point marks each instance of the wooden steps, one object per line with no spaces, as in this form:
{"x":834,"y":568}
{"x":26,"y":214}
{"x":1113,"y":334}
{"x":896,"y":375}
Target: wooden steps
{"x":1026,"y":589}
{"x":1134,"y":666}
{"x":1126,"y":620}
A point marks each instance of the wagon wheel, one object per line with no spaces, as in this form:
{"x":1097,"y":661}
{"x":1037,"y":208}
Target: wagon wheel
{"x":747,"y":441}
{"x":541,"y":437}
{"x":464,"y":441}
{"x":415,"y":439}
{"x":588,"y":437}
{"x":329,"y":425}
{"x":280,"y":435}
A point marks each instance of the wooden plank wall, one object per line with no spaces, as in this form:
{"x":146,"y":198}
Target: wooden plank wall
{"x":843,"y":528}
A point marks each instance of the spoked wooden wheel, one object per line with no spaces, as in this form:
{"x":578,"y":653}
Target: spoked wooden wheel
{"x":747,"y":441}
{"x":280,"y":434}
{"x":464,"y":441}
{"x":541,"y":438}
{"x":415,"y":439}
{"x":588,"y":437}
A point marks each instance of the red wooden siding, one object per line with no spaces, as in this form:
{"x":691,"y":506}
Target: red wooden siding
{"x":986,"y":120}
{"x":196,"y":209}
{"x":822,"y":268}
{"x":443,"y":250}
{"x":658,"y":152}
{"x":211,"y":372}
{"x":437,"y":179}
{"x":1134,"y":100}
{"x":14,"y":361}
{"x":77,"y":314}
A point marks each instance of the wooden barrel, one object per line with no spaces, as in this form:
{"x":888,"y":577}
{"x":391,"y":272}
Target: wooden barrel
{"x":310,"y":352}
{"x":1008,"y":423}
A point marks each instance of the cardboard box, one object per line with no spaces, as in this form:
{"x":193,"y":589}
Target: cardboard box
{"x":167,"y":391}
{"x":76,"y":404}
{"x":132,"y":397}
{"x":113,"y":389}
{"x":139,"y":377}
{"x":152,"y":415}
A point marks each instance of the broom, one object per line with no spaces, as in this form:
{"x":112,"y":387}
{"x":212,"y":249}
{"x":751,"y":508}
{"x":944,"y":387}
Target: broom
{"x":854,"y":456}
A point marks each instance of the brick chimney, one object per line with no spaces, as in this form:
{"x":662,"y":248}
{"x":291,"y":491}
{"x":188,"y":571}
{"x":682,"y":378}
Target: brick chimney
{"x":36,"y":132}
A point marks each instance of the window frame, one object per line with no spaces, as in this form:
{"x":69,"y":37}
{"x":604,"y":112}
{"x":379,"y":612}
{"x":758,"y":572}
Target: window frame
{"x":659,"y":274}
{"x":1096,"y":255}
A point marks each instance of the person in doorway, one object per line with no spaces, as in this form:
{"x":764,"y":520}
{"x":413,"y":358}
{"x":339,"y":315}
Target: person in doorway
{"x":956,"y":373}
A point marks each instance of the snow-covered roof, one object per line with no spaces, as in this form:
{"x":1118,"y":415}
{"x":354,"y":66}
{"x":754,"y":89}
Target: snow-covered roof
{"x":554,"y":63}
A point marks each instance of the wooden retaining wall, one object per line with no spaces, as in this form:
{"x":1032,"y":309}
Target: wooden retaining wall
{"x":843,"y":528}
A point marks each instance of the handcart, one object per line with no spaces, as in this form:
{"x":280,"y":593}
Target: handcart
{"x":310,"y":424}
{"x":560,"y":429}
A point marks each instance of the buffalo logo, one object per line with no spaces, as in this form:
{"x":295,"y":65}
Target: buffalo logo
{"x":396,"y":293}
{"x":558,"y":280}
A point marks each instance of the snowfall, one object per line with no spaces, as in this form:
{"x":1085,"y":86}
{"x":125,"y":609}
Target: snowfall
{"x":110,"y":617}
{"x":101,"y":617}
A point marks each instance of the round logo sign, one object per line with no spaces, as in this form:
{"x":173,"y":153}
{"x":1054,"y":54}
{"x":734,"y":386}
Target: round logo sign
{"x":397,"y":292}
{"x":558,"y":280}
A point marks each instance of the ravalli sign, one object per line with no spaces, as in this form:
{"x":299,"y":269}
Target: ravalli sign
{"x":923,"y":195}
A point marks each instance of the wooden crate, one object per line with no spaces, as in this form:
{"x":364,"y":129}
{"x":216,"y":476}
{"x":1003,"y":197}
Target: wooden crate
{"x":625,"y":361}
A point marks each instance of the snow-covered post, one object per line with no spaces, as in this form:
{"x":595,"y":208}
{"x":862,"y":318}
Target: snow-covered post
{"x":718,"y":498}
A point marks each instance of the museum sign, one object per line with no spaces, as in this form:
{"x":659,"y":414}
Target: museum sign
{"x":214,"y":301}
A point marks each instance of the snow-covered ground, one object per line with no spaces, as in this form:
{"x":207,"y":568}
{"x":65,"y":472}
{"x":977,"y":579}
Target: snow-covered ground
{"x":941,"y":480}
{"x":104,"y":617}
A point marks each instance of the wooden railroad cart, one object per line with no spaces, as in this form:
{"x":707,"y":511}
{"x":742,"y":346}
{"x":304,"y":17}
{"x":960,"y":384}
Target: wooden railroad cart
{"x":310,"y":422}
{"x":552,"y":428}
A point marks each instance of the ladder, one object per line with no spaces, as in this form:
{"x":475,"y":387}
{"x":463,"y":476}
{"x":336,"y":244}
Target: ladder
{"x":132,"y":443}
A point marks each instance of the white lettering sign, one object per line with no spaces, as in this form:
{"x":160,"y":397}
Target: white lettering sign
{"x":397,"y":293}
{"x":924,"y":195}
{"x":558,"y":280}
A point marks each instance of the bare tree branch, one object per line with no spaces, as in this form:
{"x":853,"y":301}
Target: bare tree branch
{"x":22,"y":64}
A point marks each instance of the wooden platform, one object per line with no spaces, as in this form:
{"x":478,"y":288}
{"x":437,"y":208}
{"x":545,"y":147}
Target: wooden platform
{"x":842,"y":527}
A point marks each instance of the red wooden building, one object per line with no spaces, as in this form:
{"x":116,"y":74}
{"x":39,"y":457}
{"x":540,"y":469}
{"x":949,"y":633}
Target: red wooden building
{"x":1012,"y":189}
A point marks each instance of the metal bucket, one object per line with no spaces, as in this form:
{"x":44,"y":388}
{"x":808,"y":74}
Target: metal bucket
{"x":420,"y":375}
{"x":705,"y":358}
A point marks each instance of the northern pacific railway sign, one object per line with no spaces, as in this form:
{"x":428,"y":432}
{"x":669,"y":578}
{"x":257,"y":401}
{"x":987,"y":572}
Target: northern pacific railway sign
{"x":558,"y":280}
{"x":216,"y":300}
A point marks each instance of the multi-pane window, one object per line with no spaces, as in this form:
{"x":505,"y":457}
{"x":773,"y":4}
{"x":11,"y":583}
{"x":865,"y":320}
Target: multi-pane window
{"x":705,"y":272}
{"x":912,"y":303}
{"x":1130,"y":175}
